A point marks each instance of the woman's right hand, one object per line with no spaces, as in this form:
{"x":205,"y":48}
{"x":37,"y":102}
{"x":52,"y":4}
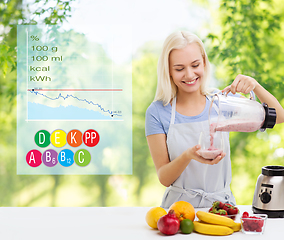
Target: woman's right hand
{"x":192,"y":153}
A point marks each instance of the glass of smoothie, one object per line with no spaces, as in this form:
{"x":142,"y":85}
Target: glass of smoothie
{"x":212,"y":144}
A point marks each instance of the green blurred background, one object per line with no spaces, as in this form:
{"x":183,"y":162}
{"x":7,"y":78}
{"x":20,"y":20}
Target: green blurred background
{"x":242,"y":36}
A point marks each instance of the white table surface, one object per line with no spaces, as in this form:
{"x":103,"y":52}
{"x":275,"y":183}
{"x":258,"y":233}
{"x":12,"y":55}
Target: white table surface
{"x":102,"y":223}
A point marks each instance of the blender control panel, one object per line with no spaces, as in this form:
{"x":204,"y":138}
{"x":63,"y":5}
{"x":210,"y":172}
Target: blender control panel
{"x":265,"y":193}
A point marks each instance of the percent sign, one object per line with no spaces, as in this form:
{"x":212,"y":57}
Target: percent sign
{"x":34,"y":38}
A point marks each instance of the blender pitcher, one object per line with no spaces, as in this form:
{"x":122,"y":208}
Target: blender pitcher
{"x":237,"y":114}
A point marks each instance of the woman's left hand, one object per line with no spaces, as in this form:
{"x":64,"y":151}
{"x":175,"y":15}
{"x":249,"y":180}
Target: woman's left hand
{"x":243,"y":84}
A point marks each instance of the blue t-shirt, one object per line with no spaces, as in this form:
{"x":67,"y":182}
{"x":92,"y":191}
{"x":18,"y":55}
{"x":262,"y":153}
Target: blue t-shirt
{"x":158,"y":116}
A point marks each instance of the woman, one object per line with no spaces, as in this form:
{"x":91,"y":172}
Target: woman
{"x":176,"y":118}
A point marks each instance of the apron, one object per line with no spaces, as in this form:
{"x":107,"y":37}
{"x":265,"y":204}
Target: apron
{"x":199,"y":184}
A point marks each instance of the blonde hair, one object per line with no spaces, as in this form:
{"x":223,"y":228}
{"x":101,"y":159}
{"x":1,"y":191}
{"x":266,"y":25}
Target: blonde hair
{"x":166,"y":88}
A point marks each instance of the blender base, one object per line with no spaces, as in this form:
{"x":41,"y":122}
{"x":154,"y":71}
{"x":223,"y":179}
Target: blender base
{"x":270,"y":213}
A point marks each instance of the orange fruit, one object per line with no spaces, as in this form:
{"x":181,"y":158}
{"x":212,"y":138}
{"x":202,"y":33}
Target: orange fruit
{"x":153,"y":215}
{"x":183,"y":210}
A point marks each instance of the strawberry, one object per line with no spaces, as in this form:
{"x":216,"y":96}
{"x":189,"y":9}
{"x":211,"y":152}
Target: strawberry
{"x":221,"y":212}
{"x":211,"y":210}
{"x":233,"y":211}
{"x":245,"y":215}
{"x":218,"y":205}
{"x":226,"y":207}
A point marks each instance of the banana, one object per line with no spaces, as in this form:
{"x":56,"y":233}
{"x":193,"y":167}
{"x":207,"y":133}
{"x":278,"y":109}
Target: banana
{"x":237,"y":227}
{"x":211,"y":229}
{"x":215,"y":219}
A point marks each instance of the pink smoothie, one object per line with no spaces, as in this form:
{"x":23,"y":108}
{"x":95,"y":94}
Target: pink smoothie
{"x":236,"y":126}
{"x":209,"y":153}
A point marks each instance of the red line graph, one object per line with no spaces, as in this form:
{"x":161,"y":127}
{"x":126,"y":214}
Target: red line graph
{"x":78,"y":90}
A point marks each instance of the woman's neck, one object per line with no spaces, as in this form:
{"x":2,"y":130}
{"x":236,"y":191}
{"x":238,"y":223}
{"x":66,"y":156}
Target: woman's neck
{"x":190,"y":104}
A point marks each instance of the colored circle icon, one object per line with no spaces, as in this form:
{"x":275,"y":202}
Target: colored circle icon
{"x":74,"y":138}
{"x":82,"y":157}
{"x":42,"y":138}
{"x":33,"y":158}
{"x":91,"y":138}
{"x":66,"y":157}
{"x":58,"y":138}
{"x":49,"y":158}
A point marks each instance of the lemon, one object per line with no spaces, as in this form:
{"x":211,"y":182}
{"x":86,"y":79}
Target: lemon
{"x":153,"y":215}
{"x":186,"y":226}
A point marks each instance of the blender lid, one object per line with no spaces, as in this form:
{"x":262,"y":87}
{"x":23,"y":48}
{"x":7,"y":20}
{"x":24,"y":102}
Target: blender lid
{"x":270,"y":117}
{"x":273,"y":170}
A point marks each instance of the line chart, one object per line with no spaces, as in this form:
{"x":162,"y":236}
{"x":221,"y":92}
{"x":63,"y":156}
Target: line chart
{"x":52,"y":104}
{"x":110,"y":112}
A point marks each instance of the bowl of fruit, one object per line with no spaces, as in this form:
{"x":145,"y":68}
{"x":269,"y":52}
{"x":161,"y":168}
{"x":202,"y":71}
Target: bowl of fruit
{"x":224,"y":209}
{"x":253,"y":224}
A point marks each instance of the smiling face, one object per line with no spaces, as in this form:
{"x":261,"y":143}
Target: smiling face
{"x":186,"y":67}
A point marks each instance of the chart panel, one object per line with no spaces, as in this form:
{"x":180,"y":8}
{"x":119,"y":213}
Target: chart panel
{"x":74,"y":111}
